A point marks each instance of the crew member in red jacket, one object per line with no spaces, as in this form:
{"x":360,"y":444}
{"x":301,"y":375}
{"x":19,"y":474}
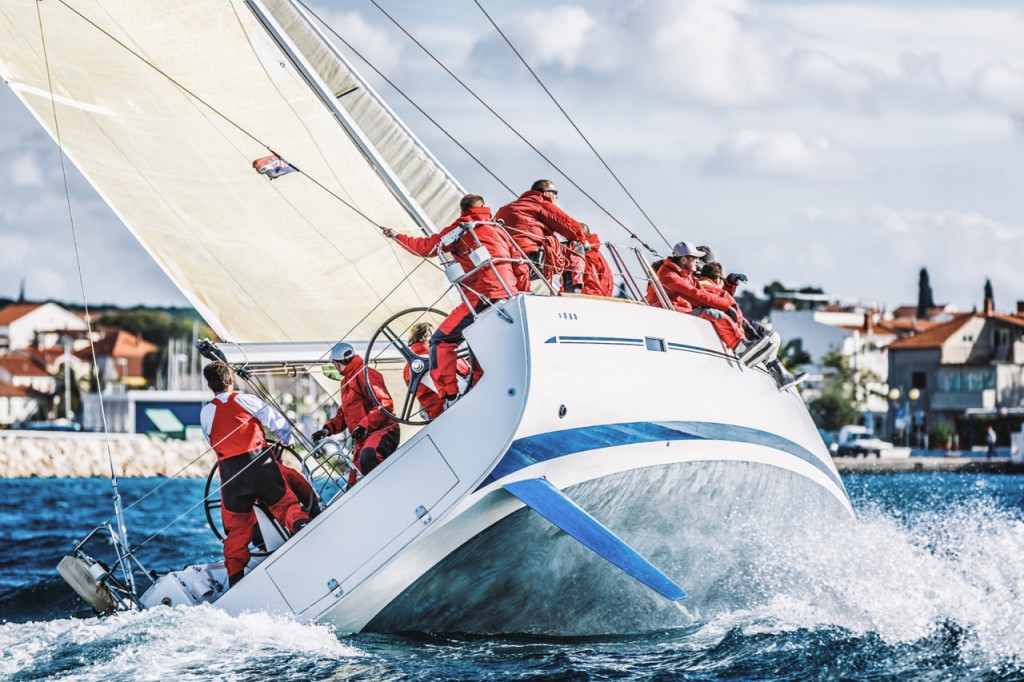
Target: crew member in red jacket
{"x":677,"y":277}
{"x":374,"y":434}
{"x":710,"y":279}
{"x":534,"y":217}
{"x":233,"y":424}
{"x":431,"y":403}
{"x":597,"y":277}
{"x":482,"y":288}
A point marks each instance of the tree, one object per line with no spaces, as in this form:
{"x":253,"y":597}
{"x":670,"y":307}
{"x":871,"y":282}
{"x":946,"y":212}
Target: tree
{"x":925,"y":300}
{"x":793,"y":356}
{"x":842,"y":394}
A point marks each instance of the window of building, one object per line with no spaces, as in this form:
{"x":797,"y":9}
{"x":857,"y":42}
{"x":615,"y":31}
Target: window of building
{"x":966,"y":380}
{"x":1000,"y":337}
{"x":919,"y":380}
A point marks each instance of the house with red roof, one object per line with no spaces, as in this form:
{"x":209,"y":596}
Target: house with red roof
{"x":962,"y":373}
{"x":26,"y":324}
{"x":119,"y":356}
{"x":21,"y":370}
{"x":18,"y":403}
{"x":818,"y":324}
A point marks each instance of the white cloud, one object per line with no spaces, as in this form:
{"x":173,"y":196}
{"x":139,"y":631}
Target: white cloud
{"x":706,"y":50}
{"x":555,"y":36}
{"x":783,"y":153}
{"x":1002,"y":85}
{"x":378,"y":46}
{"x":874,"y":252}
{"x":24,"y":171}
{"x":945,"y":226}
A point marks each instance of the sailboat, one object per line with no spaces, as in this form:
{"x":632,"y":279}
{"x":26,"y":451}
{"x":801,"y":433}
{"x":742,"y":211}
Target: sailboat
{"x":576,"y":488}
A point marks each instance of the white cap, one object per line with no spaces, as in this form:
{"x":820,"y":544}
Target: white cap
{"x":686,"y":249}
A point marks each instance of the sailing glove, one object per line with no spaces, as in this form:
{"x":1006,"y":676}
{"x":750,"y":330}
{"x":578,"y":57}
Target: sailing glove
{"x":735,"y":278}
{"x":359,"y":433}
{"x":318,"y":436}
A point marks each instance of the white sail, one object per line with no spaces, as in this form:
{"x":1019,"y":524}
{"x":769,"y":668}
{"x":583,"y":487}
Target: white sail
{"x":165,"y":106}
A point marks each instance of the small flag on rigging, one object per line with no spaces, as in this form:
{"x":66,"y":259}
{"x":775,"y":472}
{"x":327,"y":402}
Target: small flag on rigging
{"x":273,"y":166}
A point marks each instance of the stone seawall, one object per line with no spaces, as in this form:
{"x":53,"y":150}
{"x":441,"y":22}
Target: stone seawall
{"x":25,"y":454}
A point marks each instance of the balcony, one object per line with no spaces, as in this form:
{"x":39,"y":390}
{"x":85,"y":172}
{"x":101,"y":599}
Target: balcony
{"x":959,"y":401}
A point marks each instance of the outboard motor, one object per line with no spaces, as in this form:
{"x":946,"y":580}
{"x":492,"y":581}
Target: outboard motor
{"x":86,"y":577}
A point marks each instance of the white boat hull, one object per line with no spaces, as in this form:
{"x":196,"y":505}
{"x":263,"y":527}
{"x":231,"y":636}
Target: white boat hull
{"x":637,"y":414}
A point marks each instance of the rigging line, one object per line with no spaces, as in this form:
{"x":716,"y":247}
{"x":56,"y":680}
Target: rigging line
{"x":571,"y":122}
{"x":212,"y":108}
{"x":118,"y":510}
{"x":167,"y":480}
{"x":74,"y":234}
{"x":182,"y":515}
{"x":407,"y":98}
{"x":512,"y":128}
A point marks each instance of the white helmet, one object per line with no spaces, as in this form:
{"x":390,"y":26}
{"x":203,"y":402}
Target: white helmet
{"x":342,"y":352}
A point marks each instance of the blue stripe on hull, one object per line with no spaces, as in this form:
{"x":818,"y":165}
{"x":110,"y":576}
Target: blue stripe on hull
{"x":546,"y":446}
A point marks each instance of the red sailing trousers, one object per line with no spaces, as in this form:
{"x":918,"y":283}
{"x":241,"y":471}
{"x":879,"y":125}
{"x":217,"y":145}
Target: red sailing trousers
{"x":245,"y":479}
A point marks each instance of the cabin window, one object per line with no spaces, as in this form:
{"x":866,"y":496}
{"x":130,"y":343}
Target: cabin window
{"x":655,"y":344}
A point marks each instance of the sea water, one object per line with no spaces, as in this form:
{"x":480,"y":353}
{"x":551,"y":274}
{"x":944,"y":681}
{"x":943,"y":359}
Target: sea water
{"x":926,"y":583}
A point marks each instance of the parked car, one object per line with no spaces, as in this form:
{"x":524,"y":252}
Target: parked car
{"x":859,"y":441}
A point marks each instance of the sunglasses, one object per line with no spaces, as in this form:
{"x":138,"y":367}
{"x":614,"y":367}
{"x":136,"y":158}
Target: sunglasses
{"x":550,"y":191}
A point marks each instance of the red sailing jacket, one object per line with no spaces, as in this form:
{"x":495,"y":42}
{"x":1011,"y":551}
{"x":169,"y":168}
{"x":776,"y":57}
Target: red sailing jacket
{"x":531,"y":217}
{"x":684,"y":292}
{"x":597,"y":277}
{"x":357,"y":407}
{"x":722,"y":288}
{"x":235,"y":430}
{"x":515,"y":275}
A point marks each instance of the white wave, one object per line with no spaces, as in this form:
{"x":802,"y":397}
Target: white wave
{"x":898,"y":576}
{"x":171,"y":644}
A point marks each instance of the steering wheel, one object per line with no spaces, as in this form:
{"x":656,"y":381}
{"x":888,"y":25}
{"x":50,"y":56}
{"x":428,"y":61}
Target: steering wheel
{"x":390,"y":335}
{"x":211,"y":504}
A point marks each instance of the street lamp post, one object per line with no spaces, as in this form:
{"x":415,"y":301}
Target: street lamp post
{"x":908,"y":418}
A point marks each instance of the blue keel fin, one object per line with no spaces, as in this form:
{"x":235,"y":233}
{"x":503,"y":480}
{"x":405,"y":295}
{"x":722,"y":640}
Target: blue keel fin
{"x":548,"y":501}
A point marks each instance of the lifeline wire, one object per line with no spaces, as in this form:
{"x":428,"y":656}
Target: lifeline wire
{"x":571,"y":122}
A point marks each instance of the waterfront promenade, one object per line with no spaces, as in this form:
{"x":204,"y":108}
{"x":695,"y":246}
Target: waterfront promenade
{"x":963,"y":462}
{"x":27,"y":454}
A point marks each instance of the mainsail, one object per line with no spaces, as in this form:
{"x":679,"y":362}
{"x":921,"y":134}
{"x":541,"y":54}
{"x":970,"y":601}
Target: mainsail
{"x":164,"y":107}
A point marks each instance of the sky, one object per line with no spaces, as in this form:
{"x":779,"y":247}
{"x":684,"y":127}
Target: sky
{"x":843,"y":145}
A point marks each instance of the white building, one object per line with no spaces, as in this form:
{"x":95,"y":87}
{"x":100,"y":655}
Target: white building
{"x":820,"y":324}
{"x":17,"y":403}
{"x":22,"y":323}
